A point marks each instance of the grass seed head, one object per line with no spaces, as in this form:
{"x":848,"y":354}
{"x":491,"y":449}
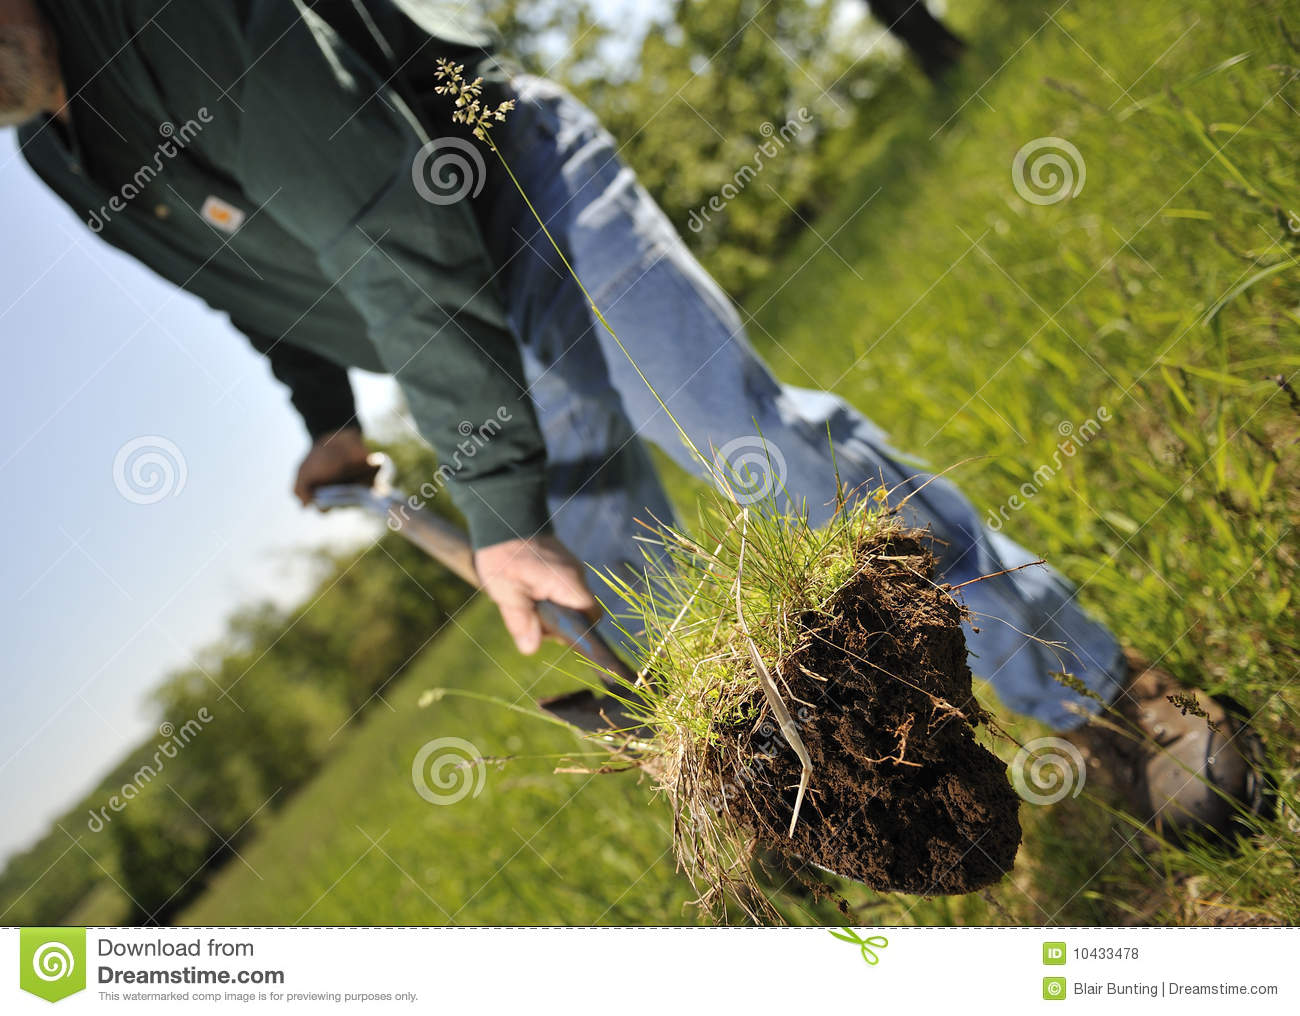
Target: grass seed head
{"x":469,"y":108}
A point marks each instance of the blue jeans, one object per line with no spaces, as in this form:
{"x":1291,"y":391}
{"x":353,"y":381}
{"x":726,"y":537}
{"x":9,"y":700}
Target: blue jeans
{"x":684,"y":334}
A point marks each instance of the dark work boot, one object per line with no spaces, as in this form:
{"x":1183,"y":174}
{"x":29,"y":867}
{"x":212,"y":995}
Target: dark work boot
{"x":1185,"y":763}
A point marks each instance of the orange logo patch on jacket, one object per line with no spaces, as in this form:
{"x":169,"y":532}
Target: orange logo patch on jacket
{"x":221,"y":214}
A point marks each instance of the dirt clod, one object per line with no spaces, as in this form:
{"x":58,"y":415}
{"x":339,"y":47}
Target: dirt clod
{"x":903,"y":798}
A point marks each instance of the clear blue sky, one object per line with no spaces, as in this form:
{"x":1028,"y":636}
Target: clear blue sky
{"x":101,"y":597}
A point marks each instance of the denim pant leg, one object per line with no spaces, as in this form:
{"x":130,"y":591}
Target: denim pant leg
{"x":686,"y":337}
{"x":603,"y":491}
{"x":602,"y":487}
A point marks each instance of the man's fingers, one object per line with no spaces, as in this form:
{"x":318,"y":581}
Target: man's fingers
{"x":518,"y":574}
{"x":564,"y":582}
{"x":340,"y":457}
{"x":522,"y":622}
{"x":570,"y":591}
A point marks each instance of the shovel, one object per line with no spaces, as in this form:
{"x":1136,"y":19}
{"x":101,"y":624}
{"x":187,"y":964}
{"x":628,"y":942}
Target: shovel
{"x":592,"y":713}
{"x":601,"y":717}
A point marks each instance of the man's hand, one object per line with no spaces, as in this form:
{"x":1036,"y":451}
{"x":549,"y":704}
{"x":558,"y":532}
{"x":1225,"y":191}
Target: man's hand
{"x":519,"y":573}
{"x":337,"y":457}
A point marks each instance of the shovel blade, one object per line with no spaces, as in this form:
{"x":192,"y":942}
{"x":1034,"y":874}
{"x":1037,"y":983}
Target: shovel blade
{"x":593,"y":714}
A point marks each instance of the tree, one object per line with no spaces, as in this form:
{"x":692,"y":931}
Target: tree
{"x":935,"y":48}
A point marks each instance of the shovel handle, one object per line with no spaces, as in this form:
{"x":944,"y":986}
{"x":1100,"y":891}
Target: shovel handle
{"x":434,"y":535}
{"x":576,"y":630}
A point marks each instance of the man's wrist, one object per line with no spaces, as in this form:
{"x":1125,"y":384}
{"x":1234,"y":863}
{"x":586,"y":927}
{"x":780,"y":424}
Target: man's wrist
{"x":348,"y":432}
{"x":509,"y":506}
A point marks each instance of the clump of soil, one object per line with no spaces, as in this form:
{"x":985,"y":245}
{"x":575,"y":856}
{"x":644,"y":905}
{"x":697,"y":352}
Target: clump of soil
{"x":902,"y":796}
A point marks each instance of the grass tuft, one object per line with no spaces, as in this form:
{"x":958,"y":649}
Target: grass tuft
{"x":721,"y":612}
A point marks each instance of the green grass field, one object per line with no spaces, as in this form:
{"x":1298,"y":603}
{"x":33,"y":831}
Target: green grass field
{"x":972,"y":324}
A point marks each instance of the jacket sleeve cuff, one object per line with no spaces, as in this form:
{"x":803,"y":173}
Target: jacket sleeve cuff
{"x":505,"y":506}
{"x":326,"y":417}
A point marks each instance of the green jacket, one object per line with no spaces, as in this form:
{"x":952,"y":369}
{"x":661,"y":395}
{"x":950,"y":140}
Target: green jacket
{"x":259,"y":154}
